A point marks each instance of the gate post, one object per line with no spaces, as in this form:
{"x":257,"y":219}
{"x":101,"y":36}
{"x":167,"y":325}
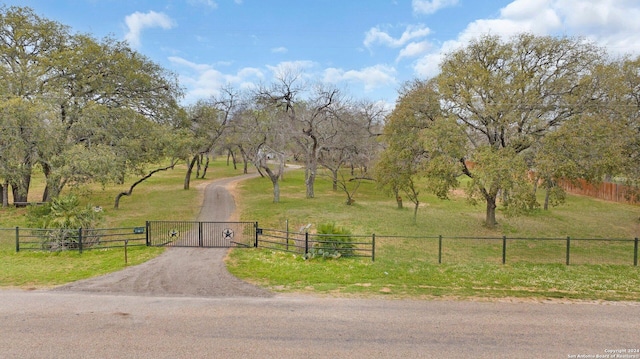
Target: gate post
{"x":568,"y":248}
{"x":255,"y":243}
{"x":306,"y":242}
{"x":18,"y":239}
{"x":504,"y":249}
{"x":373,"y":247}
{"x":146,"y":236}
{"x":200,"y":234}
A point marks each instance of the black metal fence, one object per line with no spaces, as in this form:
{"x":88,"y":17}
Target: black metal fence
{"x":35,"y":239}
{"x":201,"y":234}
{"x":325,"y":245}
{"x":429,"y":249}
{"x":567,"y":250}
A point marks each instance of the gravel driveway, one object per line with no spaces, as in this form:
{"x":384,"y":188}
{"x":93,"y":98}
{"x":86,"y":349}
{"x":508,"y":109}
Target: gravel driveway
{"x":190,"y":272}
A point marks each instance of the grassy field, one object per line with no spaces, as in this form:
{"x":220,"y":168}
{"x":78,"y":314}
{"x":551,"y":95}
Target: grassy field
{"x":159,"y":198}
{"x":404,"y":267}
{"x":408,"y":267}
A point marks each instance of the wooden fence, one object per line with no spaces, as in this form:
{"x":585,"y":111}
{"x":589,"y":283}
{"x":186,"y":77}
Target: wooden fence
{"x":606,"y":191}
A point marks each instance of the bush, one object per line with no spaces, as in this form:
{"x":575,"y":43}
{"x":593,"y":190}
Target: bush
{"x":332,"y":242}
{"x":61,"y":218}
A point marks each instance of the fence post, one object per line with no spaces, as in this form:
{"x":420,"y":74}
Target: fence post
{"x":635,"y":252}
{"x":200,"y":234}
{"x":18,"y":239}
{"x":373,"y":247}
{"x":255,"y":243}
{"x":504,"y":249}
{"x":440,"y":249}
{"x":568,"y":248}
{"x":287,"y":230}
{"x":306,"y":242}
{"x":146,"y":235}
{"x":126,"y":260}
{"x":80,"y":240}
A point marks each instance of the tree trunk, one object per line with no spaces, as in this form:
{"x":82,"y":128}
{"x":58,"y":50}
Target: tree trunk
{"x":310,"y":176}
{"x":233,"y":157}
{"x":275,"y":180}
{"x":276,"y":191}
{"x":20,"y":189}
{"x":206,"y":167}
{"x":245,"y":161}
{"x":309,"y":182}
{"x":187,"y":177}
{"x":198,"y":166}
{"x":334,"y":179}
{"x":490,"y":219}
{"x":5,"y":193}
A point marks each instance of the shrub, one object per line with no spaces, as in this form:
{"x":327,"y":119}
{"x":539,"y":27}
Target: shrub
{"x":61,"y":218}
{"x":332,"y":242}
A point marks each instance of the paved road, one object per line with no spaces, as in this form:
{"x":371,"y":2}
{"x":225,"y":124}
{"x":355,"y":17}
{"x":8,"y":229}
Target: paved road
{"x":81,"y":325}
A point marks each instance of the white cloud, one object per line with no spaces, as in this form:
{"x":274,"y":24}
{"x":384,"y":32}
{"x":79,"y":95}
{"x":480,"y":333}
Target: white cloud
{"x":210,"y":3}
{"x":203,"y":80}
{"x":412,"y":32}
{"x":430,"y":6}
{"x":138,"y":21}
{"x":370,"y":77}
{"x":414,"y":49}
{"x":279,"y":50}
{"x":611,"y":24}
{"x":300,"y":68}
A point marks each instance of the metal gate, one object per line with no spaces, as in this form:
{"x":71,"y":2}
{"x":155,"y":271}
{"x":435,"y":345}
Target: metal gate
{"x":201,"y":234}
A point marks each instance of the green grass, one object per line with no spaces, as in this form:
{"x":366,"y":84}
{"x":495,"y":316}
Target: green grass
{"x":159,"y":198}
{"x":42,"y":269}
{"x":395,"y":278}
{"x":404,"y":267}
{"x":408,"y":267}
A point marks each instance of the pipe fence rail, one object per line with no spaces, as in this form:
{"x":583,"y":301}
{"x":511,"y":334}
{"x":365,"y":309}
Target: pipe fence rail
{"x":565,"y":250}
{"x":54,"y":240}
{"x":430,"y":249}
{"x":317,"y":244}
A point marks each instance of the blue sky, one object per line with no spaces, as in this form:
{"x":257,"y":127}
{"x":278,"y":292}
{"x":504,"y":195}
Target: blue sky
{"x":367,"y":47}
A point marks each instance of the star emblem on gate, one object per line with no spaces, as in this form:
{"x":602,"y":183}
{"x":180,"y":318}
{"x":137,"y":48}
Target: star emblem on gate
{"x":228,"y":233}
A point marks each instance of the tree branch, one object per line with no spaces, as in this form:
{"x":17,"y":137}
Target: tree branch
{"x":130,"y":191}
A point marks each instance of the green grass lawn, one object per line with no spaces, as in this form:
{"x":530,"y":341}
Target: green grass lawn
{"x":404,"y":267}
{"x":408,"y":267}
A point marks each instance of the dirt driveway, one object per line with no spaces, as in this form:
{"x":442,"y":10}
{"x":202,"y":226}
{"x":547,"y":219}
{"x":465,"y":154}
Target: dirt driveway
{"x":189,"y":272}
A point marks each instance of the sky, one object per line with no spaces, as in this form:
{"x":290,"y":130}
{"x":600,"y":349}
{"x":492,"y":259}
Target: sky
{"x":368,"y":48}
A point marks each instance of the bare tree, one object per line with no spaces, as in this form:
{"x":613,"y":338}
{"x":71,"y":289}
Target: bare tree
{"x":312,"y":113}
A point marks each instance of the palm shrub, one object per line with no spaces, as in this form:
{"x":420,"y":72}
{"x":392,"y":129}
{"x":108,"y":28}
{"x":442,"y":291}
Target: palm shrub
{"x":333,"y":242}
{"x":59,"y":221}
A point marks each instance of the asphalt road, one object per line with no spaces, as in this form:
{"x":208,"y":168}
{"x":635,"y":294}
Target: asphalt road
{"x":81,"y":325}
